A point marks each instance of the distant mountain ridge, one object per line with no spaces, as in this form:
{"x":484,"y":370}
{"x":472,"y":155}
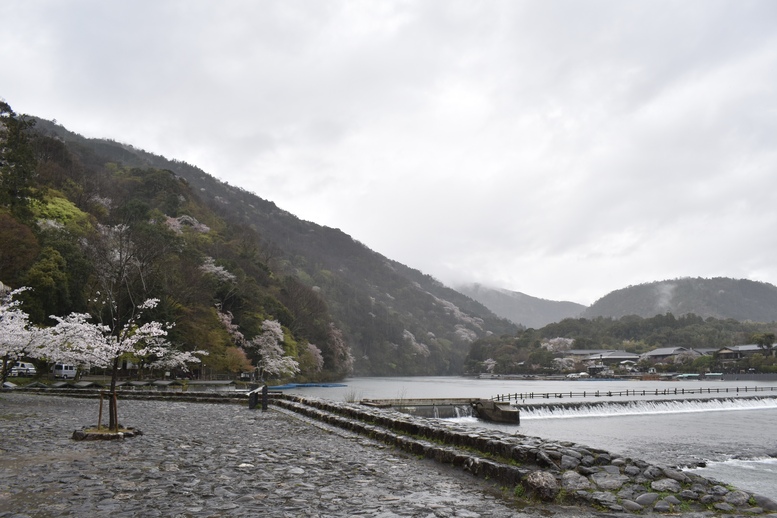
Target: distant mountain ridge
{"x":520,"y":308}
{"x":720,"y":297}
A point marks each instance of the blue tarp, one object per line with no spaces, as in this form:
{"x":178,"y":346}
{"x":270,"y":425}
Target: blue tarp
{"x":304,"y":385}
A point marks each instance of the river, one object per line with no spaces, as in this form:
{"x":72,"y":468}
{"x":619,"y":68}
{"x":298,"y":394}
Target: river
{"x":735,"y":439}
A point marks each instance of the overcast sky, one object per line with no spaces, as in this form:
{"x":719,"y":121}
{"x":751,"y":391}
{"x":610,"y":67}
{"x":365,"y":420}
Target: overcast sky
{"x":562,"y":149}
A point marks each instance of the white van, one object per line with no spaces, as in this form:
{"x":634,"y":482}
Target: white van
{"x":23,"y":369}
{"x":62,"y":370}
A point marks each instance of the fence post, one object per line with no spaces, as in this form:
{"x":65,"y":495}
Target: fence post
{"x":115,"y":412}
{"x":100,"y":415}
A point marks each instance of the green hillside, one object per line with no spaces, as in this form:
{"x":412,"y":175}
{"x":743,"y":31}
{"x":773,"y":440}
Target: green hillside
{"x":202,"y":245}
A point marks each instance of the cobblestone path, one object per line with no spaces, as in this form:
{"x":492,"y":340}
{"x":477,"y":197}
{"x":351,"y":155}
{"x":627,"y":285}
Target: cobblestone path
{"x":198,"y":459}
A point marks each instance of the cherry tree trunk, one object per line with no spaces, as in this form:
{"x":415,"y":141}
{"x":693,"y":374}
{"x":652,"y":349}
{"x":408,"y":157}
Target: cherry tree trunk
{"x":113,"y":415}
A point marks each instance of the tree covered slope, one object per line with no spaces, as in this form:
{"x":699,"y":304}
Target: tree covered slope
{"x":218,"y":247}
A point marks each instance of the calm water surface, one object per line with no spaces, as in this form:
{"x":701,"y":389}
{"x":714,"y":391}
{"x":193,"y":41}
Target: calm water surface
{"x":737,"y":440}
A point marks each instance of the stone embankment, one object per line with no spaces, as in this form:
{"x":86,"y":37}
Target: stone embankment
{"x":564,"y":473}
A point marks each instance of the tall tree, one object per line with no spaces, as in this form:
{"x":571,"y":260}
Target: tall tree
{"x":48,"y":278}
{"x":17,"y":162}
{"x":765,"y":341}
{"x":20,"y":247}
{"x":123,"y":271}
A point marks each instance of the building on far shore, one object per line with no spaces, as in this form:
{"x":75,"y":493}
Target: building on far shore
{"x":737,"y":352}
{"x":664,"y":353}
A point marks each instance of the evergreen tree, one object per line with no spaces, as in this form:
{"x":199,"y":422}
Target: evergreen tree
{"x":17,"y":162}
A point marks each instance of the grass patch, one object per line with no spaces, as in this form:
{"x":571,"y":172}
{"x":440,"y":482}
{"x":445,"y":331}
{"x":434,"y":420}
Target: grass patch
{"x":352,"y":396}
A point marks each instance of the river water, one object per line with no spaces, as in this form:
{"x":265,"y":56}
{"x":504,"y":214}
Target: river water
{"x":735,"y":438}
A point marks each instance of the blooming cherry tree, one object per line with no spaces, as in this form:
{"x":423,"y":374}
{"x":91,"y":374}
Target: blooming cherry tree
{"x":219,"y":272}
{"x":272,"y":361}
{"x":317,"y":358}
{"x":81,"y":341}
{"x":339,"y":349}
{"x":266,"y":346}
{"x":233,"y":329}
{"x":77,"y":340}
{"x":18,"y":338}
{"x":489,"y":365}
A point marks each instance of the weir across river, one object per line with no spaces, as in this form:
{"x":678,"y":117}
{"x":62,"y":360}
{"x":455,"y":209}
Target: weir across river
{"x":682,"y":391}
{"x":441,"y":408}
{"x":485,"y":409}
{"x":508,"y":408}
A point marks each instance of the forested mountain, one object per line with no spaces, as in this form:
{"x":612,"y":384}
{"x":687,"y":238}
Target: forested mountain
{"x":720,"y":297}
{"x":520,"y":308}
{"x":210,"y":249}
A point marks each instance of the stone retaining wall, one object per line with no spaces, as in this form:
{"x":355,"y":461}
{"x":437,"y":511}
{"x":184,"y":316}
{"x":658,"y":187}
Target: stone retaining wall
{"x":561,"y":472}
{"x":161,"y":395}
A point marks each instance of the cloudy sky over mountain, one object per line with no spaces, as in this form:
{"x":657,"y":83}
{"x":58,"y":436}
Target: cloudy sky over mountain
{"x":558,"y":148}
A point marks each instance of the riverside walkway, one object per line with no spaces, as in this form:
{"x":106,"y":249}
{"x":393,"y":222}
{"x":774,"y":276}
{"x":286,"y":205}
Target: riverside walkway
{"x":199,"y":459}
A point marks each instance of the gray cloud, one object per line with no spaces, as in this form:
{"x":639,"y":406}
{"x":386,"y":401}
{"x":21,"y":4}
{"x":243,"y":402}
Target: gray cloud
{"x":563,"y":149}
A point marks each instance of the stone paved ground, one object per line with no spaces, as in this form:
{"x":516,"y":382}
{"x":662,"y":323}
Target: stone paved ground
{"x":198,"y":459}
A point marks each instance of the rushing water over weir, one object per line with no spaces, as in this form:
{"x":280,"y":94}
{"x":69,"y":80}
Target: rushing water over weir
{"x":647,"y":407}
{"x":675,"y":391}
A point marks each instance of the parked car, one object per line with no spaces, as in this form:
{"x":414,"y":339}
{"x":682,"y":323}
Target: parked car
{"x":23,"y":369}
{"x":64,"y":371}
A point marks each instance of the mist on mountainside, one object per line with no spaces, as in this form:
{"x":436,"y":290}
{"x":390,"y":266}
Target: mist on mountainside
{"x":719,"y":297}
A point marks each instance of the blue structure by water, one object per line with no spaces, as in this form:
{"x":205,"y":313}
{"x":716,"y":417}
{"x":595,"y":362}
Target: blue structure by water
{"x":304,"y":385}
